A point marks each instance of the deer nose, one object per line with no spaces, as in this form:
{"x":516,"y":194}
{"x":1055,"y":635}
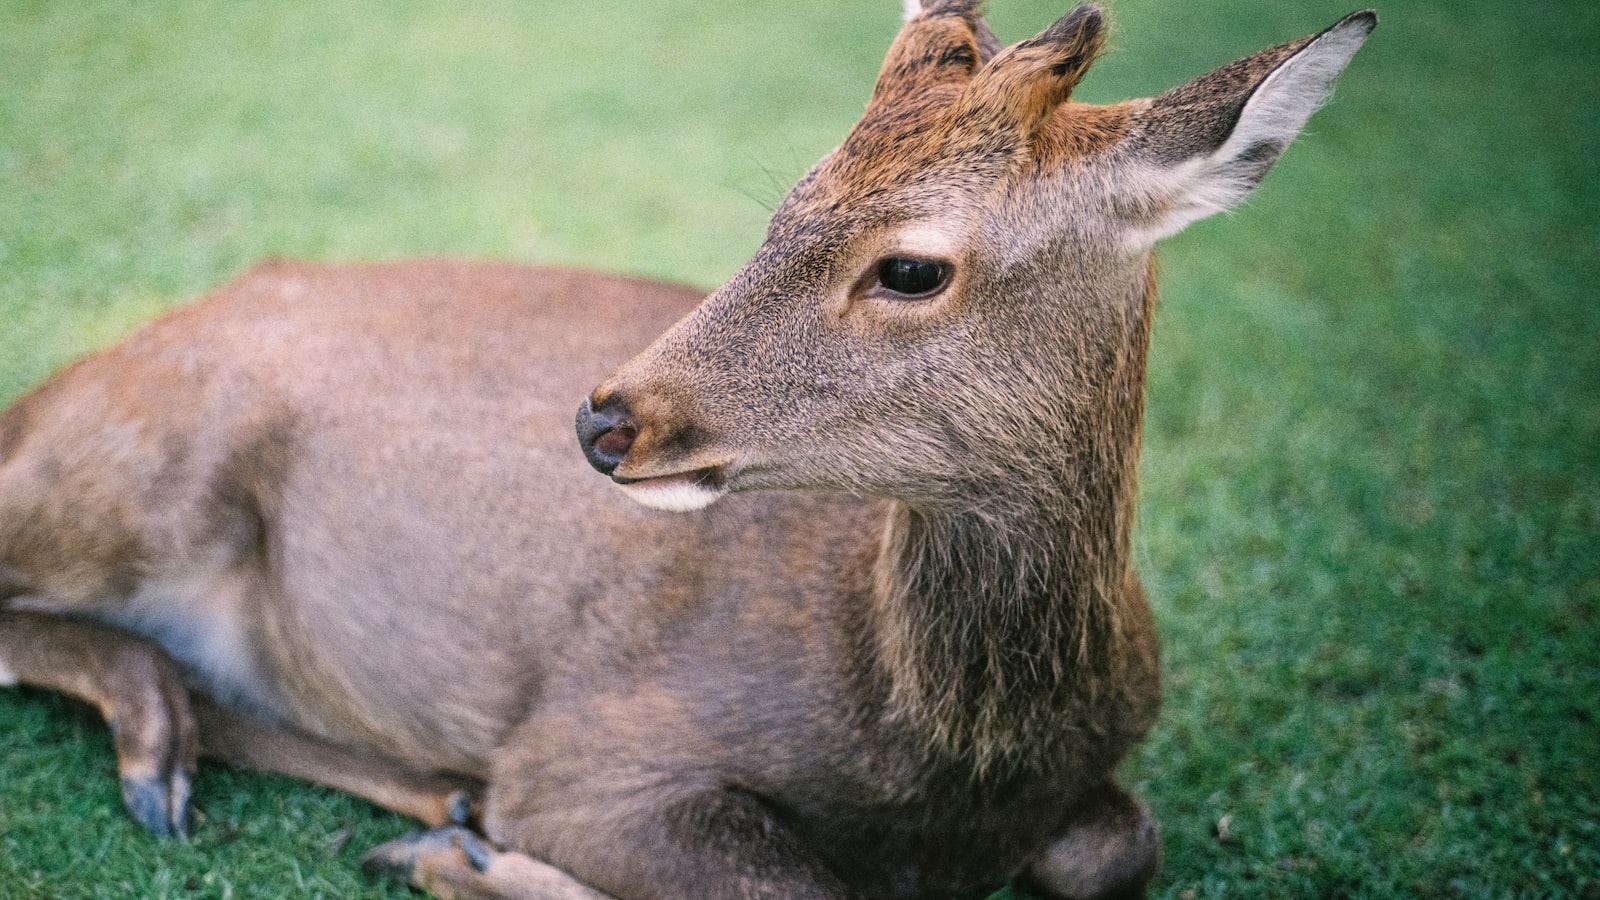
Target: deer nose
{"x":605,"y":434}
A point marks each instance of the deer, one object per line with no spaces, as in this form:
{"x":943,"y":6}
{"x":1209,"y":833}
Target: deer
{"x":833,"y":598}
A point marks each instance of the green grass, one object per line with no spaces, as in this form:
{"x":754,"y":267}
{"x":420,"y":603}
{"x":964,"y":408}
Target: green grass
{"x":1371,"y":509}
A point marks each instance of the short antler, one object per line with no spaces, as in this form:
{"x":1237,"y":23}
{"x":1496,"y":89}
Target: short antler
{"x":1026,"y":82}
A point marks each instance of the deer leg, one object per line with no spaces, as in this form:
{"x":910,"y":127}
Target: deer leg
{"x":1111,"y":849}
{"x":722,"y":845}
{"x":454,"y":862}
{"x":136,"y":687}
{"x":246,"y":741}
{"x":158,"y":727}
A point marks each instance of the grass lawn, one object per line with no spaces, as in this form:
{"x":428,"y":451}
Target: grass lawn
{"x":1370,"y":518}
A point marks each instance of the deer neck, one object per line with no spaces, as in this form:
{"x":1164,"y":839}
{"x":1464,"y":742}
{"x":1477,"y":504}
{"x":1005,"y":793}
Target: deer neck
{"x":1000,"y":629}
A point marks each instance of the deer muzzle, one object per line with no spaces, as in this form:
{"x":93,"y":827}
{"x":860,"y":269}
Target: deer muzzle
{"x":608,"y":430}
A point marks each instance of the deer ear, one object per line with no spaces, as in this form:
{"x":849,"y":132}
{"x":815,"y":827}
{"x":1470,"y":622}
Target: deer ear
{"x":1024,"y":83}
{"x":1213,"y":139}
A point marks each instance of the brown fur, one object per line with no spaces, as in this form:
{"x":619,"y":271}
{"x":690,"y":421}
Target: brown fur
{"x":902,"y":656}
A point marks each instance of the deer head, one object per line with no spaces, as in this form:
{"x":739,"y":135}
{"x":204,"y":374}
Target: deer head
{"x":951,"y":308}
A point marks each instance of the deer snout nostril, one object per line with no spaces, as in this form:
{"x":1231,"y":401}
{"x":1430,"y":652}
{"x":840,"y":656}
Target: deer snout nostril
{"x":615,"y":443}
{"x":605,"y":434}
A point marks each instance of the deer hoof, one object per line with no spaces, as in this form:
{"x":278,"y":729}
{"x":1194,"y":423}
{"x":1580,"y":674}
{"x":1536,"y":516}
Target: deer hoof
{"x":161,"y":805}
{"x":461,"y":809}
{"x":406,"y":859}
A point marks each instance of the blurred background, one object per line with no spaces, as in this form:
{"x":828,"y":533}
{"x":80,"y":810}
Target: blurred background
{"x":1370,"y":520}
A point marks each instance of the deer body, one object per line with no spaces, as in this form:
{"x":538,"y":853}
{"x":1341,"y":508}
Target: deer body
{"x":627,"y":630}
{"x":330,"y":521}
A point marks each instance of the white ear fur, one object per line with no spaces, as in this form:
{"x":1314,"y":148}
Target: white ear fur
{"x":1276,"y":111}
{"x":913,"y":9}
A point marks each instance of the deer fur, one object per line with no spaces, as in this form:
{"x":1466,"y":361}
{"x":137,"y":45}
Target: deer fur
{"x":881,"y":636}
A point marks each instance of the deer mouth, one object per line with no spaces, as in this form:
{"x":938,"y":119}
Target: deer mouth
{"x":678,"y":492}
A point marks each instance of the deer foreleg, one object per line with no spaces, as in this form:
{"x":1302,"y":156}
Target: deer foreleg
{"x":457,"y":864}
{"x":136,"y":687}
{"x":722,"y":845}
{"x":247,"y":741}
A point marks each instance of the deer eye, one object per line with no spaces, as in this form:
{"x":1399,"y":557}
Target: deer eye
{"x":914,"y":278}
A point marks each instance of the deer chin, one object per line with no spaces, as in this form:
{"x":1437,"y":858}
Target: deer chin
{"x":681,"y":492}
